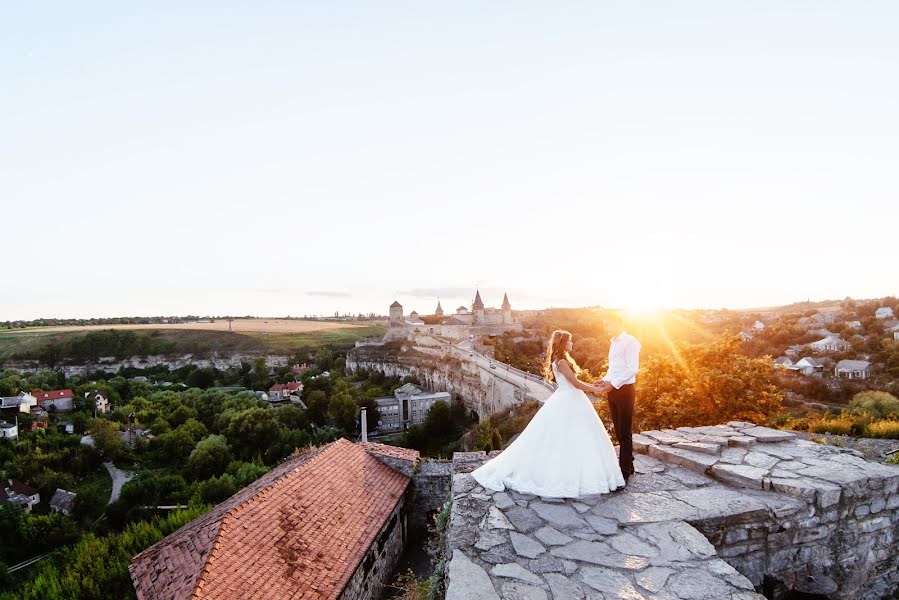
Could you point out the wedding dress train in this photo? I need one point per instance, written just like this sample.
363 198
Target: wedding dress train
564 452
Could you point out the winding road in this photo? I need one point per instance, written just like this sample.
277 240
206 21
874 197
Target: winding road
119 478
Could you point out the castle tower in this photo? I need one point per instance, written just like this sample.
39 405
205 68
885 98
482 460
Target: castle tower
396 312
439 311
507 310
477 308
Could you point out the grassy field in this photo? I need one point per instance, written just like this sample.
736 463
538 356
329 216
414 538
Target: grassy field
249 335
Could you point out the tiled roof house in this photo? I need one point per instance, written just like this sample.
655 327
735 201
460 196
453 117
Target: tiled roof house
329 524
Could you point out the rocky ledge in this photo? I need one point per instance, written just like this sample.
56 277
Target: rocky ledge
715 513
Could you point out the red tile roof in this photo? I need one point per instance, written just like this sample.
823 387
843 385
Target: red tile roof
54 395
277 387
299 532
392 451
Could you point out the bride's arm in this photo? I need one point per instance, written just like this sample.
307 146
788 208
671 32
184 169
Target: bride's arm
567 372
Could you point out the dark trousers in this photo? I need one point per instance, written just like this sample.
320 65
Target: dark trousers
621 405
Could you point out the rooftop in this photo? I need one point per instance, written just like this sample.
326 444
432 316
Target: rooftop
297 532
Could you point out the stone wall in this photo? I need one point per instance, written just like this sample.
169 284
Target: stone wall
430 485
712 513
377 567
483 391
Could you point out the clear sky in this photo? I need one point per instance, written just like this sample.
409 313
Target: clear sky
295 158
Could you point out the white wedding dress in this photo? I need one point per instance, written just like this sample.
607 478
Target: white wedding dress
564 452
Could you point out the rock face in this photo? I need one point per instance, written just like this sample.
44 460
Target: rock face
712 512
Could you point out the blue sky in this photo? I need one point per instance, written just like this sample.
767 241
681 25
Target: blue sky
297 158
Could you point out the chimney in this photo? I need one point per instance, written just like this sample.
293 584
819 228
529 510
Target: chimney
364 424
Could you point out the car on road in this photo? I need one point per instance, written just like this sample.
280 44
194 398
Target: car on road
492 365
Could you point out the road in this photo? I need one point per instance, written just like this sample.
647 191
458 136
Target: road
535 386
119 478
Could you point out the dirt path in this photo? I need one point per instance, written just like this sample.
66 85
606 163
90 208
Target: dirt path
119 478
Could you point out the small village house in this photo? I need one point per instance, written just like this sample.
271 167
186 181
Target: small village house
830 344
10 405
853 369
63 502
808 366
101 403
884 312
783 362
60 400
22 494
8 431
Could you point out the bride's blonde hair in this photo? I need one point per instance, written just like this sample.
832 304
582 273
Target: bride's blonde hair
556 350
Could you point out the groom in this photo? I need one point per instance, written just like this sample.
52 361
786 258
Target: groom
624 362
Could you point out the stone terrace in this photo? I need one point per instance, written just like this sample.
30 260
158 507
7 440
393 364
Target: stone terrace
712 513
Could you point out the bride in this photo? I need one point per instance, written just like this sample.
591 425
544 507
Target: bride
565 451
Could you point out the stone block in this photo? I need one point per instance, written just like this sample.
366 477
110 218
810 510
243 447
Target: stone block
564 588
699 447
741 440
524 519
599 553
561 516
642 442
735 456
525 546
512 590
742 475
644 508
551 537
761 460
696 461
467 580
515 571
653 579
765 434
666 436
611 583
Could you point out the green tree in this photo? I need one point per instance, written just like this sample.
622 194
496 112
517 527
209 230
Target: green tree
106 438
877 405
210 457
317 407
252 431
343 411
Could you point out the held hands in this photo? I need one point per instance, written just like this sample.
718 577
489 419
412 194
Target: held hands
601 387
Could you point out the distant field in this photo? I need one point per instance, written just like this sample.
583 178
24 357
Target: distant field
238 325
275 336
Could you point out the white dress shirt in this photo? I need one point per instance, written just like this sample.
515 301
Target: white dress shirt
624 360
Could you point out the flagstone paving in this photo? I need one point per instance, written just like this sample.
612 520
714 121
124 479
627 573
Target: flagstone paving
709 514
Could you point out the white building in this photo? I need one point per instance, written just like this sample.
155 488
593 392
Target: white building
23 402
100 401
884 312
853 369
783 362
408 406
808 366
16 492
830 344
61 400
8 431
758 326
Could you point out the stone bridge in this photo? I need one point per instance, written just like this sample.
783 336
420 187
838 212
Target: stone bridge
483 384
713 513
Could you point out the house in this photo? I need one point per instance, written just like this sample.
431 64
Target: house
65 427
794 350
408 406
63 502
884 312
895 331
808 366
783 362
830 344
325 525
281 392
8 431
61 400
17 492
100 401
853 369
745 336
21 403
758 326
854 325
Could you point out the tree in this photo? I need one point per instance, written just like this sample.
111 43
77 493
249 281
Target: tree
343 411
438 422
877 405
210 457
703 384
371 412
292 417
252 431
106 438
317 407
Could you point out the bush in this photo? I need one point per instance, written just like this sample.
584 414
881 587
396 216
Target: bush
878 405
842 425
886 428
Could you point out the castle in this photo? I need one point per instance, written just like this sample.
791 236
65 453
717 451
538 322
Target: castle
478 321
